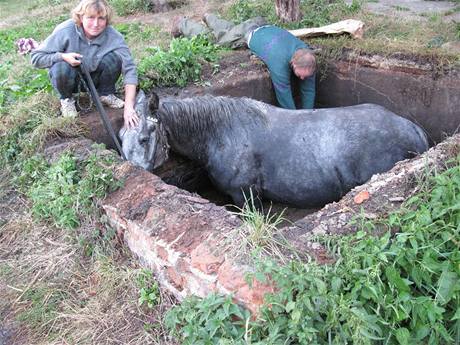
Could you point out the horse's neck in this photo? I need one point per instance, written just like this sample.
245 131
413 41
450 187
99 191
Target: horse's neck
197 126
192 147
190 139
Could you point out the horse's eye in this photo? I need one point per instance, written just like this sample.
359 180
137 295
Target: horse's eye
143 139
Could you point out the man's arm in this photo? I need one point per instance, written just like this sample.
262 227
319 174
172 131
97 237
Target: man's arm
308 92
282 85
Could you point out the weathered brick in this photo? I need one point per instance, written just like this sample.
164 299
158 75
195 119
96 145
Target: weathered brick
175 278
203 258
162 253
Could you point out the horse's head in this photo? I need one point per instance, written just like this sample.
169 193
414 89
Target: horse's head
145 145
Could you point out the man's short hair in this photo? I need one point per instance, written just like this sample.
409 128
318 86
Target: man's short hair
101 7
304 58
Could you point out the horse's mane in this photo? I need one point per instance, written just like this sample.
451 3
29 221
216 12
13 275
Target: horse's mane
211 114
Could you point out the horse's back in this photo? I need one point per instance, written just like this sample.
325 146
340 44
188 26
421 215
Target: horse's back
316 156
303 157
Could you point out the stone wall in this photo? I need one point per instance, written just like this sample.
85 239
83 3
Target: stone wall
180 236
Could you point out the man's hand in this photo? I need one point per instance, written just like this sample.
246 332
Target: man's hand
131 117
73 59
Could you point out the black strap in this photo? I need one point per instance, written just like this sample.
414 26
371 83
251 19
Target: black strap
100 108
82 85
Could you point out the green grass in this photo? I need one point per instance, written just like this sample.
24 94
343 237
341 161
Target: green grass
259 233
127 7
9 8
18 79
43 306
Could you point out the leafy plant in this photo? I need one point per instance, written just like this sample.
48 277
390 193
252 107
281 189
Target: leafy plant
136 31
65 190
315 12
208 321
25 83
179 65
242 10
149 292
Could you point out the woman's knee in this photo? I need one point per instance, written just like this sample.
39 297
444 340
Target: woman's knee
63 77
110 64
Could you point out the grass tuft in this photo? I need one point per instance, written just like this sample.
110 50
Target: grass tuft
259 234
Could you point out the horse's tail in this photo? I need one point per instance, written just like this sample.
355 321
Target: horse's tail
421 141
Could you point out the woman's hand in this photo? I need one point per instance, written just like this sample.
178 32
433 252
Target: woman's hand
131 117
72 58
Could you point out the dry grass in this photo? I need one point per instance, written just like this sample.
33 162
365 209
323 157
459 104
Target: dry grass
386 36
52 293
41 108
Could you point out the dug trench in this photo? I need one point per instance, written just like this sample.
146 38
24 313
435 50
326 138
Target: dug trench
177 226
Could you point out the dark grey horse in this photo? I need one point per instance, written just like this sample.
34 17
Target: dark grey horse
299 157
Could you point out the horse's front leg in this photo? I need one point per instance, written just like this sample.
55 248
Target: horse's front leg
236 172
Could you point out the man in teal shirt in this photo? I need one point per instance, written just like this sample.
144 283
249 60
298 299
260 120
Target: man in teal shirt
282 52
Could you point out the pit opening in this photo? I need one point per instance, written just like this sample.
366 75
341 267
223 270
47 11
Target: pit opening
184 238
408 89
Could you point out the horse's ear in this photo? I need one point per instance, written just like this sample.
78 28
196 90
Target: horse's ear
153 102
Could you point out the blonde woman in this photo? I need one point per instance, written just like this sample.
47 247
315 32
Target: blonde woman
88 36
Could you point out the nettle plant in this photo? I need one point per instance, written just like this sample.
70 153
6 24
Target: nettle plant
402 287
149 290
65 191
181 64
127 7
